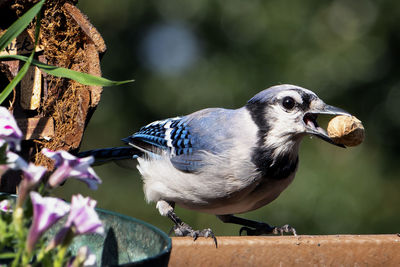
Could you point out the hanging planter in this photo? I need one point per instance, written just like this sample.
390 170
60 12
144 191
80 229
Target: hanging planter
51 111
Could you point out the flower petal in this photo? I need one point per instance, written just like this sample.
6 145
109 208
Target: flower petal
31 178
70 166
58 156
83 216
5 205
59 175
9 130
46 212
15 162
81 220
84 257
33 173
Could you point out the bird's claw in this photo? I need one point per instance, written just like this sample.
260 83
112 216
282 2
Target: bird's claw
184 229
265 229
284 229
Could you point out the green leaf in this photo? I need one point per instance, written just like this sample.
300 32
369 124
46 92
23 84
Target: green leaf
4 94
37 30
7 255
80 77
3 157
18 26
16 79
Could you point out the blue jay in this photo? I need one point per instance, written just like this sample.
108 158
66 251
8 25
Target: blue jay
225 161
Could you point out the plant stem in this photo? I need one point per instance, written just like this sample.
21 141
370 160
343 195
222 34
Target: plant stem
41 254
15 262
63 248
60 256
18 216
26 257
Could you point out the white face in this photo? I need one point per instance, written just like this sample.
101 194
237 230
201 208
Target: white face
286 120
287 113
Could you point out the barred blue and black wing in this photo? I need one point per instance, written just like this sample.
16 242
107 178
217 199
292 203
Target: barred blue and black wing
171 136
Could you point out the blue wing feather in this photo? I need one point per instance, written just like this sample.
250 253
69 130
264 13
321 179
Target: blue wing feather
185 138
170 135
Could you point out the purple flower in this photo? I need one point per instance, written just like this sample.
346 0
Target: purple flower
83 216
9 131
15 162
5 205
84 257
12 161
46 212
82 219
31 177
70 166
33 174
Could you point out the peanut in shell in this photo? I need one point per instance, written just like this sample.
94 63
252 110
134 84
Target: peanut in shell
346 130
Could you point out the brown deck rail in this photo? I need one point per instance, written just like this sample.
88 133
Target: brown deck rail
325 250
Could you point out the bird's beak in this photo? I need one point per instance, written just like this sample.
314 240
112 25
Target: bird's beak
310 120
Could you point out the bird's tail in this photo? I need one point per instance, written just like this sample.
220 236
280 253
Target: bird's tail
105 155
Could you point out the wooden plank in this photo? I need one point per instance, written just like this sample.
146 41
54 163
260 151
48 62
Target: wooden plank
31 88
13 67
21 45
36 127
325 250
93 66
86 27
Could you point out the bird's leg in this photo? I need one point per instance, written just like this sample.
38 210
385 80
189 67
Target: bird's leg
180 228
256 228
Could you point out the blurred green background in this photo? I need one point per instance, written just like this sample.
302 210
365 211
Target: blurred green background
189 55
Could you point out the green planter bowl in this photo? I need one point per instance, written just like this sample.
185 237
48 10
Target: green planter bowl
127 242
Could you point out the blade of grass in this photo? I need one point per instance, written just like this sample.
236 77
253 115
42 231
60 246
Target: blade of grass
37 30
5 93
16 79
80 77
18 26
7 255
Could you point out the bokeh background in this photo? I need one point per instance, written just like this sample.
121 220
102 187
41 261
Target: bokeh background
189 55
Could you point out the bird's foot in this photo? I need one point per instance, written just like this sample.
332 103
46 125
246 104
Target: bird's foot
284 229
265 229
183 229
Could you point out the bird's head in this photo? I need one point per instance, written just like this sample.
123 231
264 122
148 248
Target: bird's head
286 113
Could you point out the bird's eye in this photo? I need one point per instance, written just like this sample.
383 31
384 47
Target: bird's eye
288 102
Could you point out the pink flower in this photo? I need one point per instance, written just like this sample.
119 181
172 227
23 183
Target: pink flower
83 216
12 161
84 257
82 219
33 174
9 131
70 166
31 178
15 162
5 205
46 212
